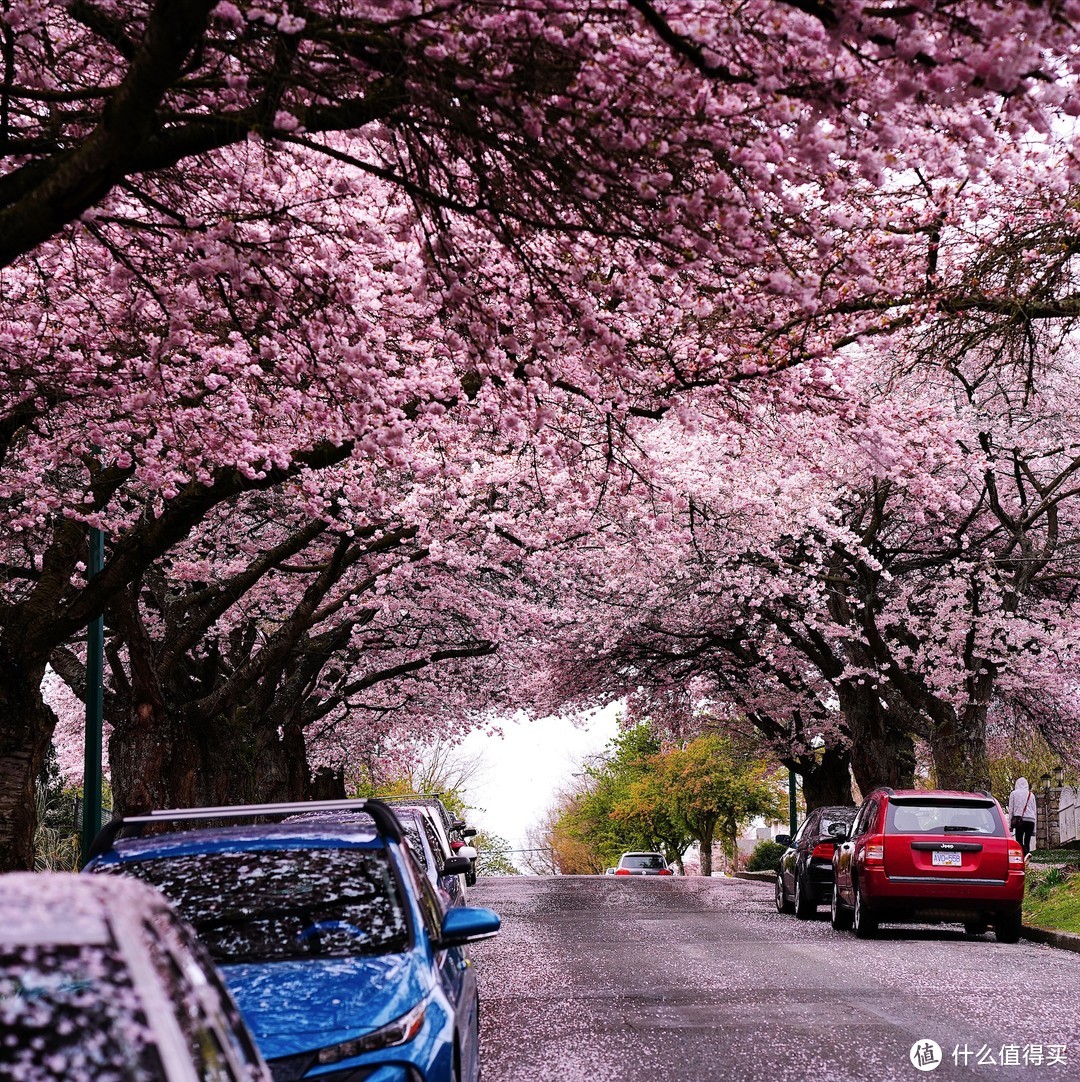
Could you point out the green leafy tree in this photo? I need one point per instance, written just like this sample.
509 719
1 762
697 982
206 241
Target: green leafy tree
647 808
716 787
613 809
493 855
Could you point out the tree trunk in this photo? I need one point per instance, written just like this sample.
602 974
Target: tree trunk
153 761
26 727
327 783
162 760
826 783
705 849
881 752
958 747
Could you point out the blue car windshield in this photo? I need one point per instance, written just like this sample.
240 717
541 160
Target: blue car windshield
271 905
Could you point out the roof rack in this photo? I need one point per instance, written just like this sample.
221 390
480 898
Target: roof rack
451 821
384 817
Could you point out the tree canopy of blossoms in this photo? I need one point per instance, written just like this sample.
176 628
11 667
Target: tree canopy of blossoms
243 247
892 564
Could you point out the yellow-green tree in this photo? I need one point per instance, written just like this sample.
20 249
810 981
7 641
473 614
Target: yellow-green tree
715 787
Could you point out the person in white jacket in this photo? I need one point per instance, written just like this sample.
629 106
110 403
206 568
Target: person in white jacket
1022 812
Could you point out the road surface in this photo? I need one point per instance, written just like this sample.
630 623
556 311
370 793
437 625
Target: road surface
596 977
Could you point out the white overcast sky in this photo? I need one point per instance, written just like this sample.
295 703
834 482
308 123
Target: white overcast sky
522 770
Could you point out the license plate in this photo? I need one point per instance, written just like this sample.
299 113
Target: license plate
948 860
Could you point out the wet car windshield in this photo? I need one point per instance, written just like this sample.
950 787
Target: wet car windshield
275 905
828 821
416 846
70 1012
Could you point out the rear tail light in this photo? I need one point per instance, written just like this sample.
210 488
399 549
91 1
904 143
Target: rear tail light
621 871
1016 855
874 851
664 871
823 850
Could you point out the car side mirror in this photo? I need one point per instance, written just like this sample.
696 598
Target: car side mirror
468 832
839 831
466 924
456 866
783 839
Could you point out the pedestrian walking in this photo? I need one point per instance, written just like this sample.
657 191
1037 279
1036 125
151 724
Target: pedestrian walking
1022 814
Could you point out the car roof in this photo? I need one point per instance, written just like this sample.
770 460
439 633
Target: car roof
425 801
314 831
937 794
70 910
319 823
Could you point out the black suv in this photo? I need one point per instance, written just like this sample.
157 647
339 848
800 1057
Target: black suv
804 877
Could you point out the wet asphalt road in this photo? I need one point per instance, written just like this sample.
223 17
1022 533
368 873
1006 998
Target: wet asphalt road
598 978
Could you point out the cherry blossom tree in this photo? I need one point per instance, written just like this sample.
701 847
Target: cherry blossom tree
243 247
887 570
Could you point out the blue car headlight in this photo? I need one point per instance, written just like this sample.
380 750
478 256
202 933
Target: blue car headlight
400 1031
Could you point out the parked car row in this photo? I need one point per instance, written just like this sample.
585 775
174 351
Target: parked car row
338 928
926 856
454 835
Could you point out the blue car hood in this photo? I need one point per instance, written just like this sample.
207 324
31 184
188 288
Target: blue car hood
294 1007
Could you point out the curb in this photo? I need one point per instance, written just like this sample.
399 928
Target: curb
758 877
1063 940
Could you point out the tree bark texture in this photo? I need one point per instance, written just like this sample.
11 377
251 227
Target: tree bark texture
882 753
958 747
164 760
826 783
26 727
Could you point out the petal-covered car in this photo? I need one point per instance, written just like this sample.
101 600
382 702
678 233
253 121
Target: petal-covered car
101 980
345 963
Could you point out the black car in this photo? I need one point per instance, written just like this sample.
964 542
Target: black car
804 878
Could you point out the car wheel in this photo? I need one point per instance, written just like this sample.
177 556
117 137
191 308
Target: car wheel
863 921
804 900
782 904
1008 928
839 913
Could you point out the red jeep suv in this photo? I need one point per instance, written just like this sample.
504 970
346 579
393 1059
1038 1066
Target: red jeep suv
929 856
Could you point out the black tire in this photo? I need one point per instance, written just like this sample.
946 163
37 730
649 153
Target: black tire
805 906
782 904
839 914
862 918
975 927
1007 929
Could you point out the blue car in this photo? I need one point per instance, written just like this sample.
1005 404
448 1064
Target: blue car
346 965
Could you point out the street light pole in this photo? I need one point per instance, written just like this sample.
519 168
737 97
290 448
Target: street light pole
95 658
